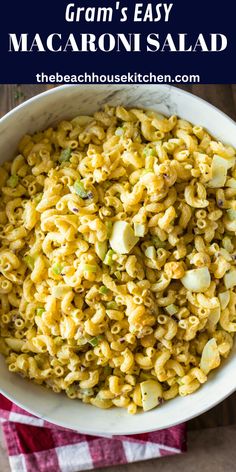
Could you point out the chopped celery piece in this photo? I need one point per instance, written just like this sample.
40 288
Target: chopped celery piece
107 184
107 370
231 214
101 249
90 268
57 268
13 181
70 390
171 309
180 382
139 230
29 262
94 341
148 152
119 132
108 258
158 243
80 190
112 305
118 274
65 155
103 290
87 392
40 311
38 198
58 341
109 228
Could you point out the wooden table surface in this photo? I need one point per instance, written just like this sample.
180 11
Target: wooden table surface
223 97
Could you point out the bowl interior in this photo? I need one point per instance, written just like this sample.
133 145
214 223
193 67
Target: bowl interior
67 102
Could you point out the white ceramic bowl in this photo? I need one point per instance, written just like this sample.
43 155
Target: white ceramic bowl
66 102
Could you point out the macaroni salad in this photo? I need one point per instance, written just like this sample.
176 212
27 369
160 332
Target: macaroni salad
118 257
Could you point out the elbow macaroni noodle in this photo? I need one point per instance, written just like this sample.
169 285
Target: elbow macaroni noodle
132 328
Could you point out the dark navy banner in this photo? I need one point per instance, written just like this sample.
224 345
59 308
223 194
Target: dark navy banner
126 41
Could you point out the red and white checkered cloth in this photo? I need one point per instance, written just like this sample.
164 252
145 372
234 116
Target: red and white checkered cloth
34 445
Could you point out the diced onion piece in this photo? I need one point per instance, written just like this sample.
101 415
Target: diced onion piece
225 253
87 392
101 249
210 356
231 183
231 162
230 279
119 132
219 171
213 318
139 230
197 280
224 299
82 341
122 238
227 162
151 392
150 252
219 177
171 309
